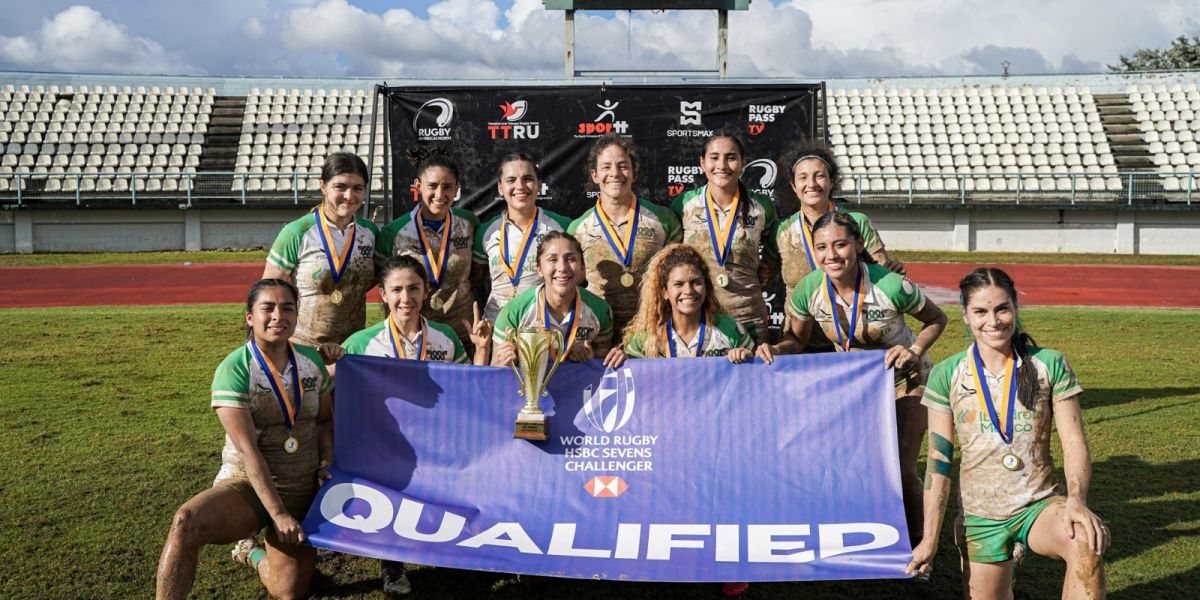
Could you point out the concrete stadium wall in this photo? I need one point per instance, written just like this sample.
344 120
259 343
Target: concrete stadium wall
957 228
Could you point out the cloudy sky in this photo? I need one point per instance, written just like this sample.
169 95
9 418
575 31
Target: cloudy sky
517 38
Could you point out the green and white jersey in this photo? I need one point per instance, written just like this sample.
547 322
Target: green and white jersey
454 297
720 336
298 251
487 251
886 298
594 318
795 252
986 488
241 383
657 227
441 343
743 298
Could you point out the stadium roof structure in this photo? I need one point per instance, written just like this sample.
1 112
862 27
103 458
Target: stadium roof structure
721 6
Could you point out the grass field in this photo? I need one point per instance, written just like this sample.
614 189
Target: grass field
107 431
258 256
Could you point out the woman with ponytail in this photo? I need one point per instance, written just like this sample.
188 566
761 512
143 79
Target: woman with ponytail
440 237
860 305
999 397
732 228
327 255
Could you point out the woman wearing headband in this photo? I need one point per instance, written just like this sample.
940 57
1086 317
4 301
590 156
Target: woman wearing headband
861 306
999 398
814 177
509 241
732 228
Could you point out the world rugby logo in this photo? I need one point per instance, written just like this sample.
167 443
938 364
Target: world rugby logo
770 171
611 406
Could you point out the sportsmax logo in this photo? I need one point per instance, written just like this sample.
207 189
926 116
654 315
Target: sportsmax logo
444 111
722 543
509 128
689 113
610 408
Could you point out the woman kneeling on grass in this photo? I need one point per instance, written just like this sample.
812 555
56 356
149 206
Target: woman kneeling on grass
1005 392
273 400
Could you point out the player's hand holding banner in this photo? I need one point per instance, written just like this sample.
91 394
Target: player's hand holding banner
664 470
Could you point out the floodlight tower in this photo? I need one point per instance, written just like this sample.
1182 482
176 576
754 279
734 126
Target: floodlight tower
721 6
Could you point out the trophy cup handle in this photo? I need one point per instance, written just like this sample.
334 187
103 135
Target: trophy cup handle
557 337
509 338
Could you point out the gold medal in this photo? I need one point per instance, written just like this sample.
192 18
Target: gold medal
436 303
336 297
291 444
627 279
1012 462
723 280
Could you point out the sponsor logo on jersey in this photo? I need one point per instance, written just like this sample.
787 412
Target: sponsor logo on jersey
606 486
433 119
606 122
510 126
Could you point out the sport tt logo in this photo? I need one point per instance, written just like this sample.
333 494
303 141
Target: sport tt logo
606 486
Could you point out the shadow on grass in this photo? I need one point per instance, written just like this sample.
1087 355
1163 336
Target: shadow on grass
1101 398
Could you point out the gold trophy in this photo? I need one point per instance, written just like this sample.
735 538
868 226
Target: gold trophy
534 347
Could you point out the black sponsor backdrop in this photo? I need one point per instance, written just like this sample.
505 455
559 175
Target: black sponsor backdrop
557 126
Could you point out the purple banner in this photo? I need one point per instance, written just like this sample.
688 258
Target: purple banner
665 470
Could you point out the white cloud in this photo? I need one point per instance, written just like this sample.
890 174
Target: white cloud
81 39
253 28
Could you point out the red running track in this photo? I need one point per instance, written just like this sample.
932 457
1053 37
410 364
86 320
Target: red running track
107 285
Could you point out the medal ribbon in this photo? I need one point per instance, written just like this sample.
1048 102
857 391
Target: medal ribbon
398 346
527 237
612 234
855 310
337 264
985 395
434 264
289 404
809 252
669 331
710 210
572 319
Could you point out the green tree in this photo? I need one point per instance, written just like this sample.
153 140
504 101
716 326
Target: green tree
1184 53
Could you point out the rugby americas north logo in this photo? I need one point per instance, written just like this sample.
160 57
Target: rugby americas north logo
510 128
441 111
770 172
599 126
606 486
611 406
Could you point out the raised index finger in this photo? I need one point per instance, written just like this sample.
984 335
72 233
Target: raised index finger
475 310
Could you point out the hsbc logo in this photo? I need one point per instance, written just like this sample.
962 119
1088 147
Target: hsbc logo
606 486
689 113
510 127
609 409
606 122
441 111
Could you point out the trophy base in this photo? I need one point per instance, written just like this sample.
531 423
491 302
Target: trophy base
530 427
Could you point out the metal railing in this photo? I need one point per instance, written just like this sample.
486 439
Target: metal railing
187 189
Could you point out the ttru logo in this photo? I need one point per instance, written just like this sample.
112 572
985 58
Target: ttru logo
511 127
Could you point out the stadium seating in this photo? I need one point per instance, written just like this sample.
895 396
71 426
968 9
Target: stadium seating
1007 139
103 135
1168 120
290 131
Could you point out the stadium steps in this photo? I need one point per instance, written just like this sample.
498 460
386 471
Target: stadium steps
220 150
1124 137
